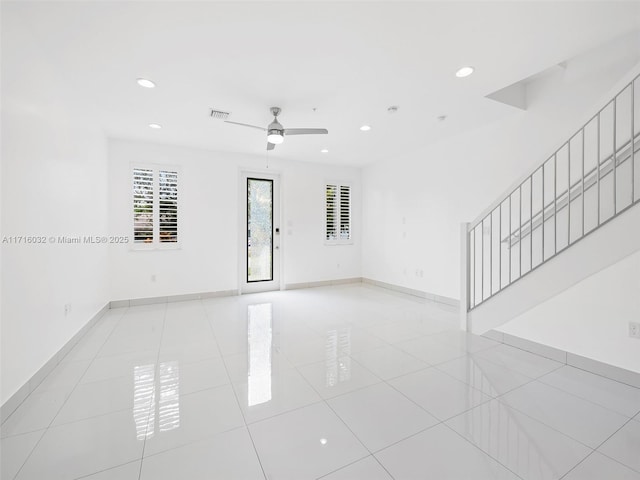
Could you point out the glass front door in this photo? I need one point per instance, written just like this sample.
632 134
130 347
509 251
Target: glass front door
259 230
261 245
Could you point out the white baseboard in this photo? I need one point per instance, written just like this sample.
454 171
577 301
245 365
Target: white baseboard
389 286
454 302
23 392
583 363
322 283
136 302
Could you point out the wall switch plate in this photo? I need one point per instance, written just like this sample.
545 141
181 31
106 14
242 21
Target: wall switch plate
634 329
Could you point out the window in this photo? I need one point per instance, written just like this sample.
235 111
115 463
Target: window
338 213
155 206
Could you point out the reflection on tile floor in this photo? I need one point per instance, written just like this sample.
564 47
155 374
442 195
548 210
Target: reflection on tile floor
350 382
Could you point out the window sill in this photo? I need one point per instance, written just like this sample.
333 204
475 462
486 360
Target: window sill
338 243
154 247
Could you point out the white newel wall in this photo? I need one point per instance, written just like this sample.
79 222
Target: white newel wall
207 260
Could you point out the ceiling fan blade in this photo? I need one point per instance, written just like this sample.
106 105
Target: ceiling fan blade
305 131
270 146
246 125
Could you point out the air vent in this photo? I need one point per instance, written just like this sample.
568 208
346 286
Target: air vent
219 114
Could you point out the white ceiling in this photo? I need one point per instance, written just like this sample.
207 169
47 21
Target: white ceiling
350 61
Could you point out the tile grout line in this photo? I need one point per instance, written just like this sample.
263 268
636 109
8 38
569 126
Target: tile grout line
152 405
105 470
324 475
478 448
193 442
497 398
326 402
601 453
444 422
541 422
530 353
502 402
233 391
67 396
439 422
113 411
428 366
383 381
609 437
583 398
371 454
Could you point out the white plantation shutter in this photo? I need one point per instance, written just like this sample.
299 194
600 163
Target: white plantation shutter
142 205
155 206
345 212
332 200
168 206
338 213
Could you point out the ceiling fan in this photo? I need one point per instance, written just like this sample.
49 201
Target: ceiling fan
276 132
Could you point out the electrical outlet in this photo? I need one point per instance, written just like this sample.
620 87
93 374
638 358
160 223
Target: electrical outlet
67 308
634 329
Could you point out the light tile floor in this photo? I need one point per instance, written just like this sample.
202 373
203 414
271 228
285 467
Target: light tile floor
350 382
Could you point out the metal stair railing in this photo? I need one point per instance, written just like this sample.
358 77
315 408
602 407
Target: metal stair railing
592 178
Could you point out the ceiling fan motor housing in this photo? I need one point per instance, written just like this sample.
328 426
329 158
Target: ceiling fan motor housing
275 132
275 128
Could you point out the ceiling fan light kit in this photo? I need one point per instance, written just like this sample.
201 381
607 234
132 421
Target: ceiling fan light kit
275 136
276 132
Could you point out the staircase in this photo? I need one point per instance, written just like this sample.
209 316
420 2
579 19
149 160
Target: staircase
593 178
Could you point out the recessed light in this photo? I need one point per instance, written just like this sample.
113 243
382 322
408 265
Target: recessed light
324 150
143 82
365 128
464 72
155 125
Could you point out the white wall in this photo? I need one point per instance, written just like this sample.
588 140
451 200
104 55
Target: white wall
413 204
591 318
207 260
54 182
54 176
